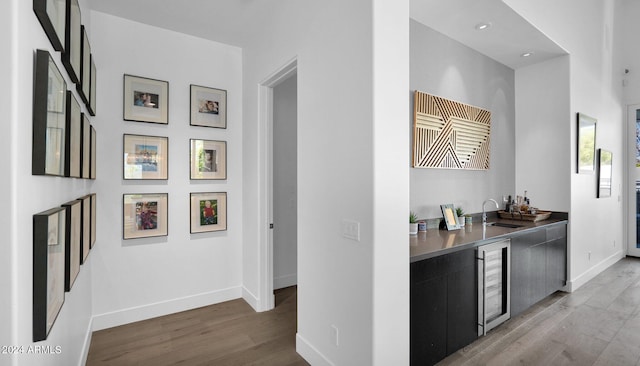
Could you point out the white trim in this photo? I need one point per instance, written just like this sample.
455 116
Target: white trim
86 345
285 281
592 272
310 353
137 313
250 298
266 299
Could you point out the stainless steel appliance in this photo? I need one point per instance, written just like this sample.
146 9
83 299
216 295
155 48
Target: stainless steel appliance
494 272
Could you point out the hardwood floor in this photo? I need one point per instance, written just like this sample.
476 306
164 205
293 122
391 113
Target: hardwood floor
229 333
599 324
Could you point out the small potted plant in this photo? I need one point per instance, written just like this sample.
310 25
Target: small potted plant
413 223
460 214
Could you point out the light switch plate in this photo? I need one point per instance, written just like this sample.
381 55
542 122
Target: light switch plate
351 230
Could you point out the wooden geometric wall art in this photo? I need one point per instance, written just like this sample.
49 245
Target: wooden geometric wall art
449 134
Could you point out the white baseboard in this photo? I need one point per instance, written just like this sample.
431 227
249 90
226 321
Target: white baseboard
134 314
250 298
285 281
592 272
87 344
310 353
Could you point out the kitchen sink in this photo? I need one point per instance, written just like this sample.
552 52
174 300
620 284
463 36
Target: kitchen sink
503 224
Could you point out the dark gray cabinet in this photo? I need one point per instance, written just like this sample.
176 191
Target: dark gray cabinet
443 306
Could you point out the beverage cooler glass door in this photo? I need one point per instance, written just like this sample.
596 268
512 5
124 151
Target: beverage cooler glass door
494 270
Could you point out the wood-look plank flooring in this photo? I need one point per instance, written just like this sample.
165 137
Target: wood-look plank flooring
598 324
229 333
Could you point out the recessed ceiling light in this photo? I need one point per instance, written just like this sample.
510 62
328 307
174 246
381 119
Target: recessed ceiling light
483 26
526 54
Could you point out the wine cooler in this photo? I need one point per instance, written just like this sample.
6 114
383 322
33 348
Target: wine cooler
493 285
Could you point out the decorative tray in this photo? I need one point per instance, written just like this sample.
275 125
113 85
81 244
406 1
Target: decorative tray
539 216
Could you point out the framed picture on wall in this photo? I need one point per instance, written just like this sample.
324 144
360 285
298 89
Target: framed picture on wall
92 88
49 117
73 136
73 236
86 147
605 169
92 152
145 157
586 146
208 212
84 87
144 215
208 107
146 100
72 56
52 16
208 159
48 269
86 227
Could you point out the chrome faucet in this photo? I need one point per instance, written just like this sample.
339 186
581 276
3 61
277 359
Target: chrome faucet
484 213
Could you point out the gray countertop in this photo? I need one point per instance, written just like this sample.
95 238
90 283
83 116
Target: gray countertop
435 242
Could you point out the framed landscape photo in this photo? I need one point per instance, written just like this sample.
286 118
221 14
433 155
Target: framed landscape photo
208 107
605 167
52 16
586 144
146 100
208 159
73 236
144 215
86 147
208 212
48 269
49 117
145 157
86 228
72 56
84 87
73 136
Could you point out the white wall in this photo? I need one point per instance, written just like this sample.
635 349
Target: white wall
586 29
26 195
285 184
629 28
143 278
444 67
336 276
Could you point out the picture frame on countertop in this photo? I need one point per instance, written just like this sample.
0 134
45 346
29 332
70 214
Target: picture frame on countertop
49 117
84 87
73 136
73 236
93 77
208 212
86 147
145 100
92 161
605 170
86 227
586 144
94 209
208 107
144 215
450 218
208 159
145 157
48 269
72 56
52 16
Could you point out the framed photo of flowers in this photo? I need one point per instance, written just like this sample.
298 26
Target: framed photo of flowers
145 215
208 212
208 107
208 159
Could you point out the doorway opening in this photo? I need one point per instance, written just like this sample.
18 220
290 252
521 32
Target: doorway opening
633 169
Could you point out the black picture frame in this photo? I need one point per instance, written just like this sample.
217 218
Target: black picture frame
208 212
73 136
48 269
208 107
145 215
49 117
86 228
53 20
84 87
93 198
145 100
92 161
605 170
93 87
86 147
145 157
72 56
208 159
586 144
73 236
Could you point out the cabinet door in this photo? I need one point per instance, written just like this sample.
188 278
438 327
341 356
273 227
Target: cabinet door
556 265
428 314
462 307
528 266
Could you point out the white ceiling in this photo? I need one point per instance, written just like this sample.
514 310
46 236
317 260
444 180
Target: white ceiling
233 22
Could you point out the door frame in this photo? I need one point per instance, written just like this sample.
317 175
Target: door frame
630 164
266 299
